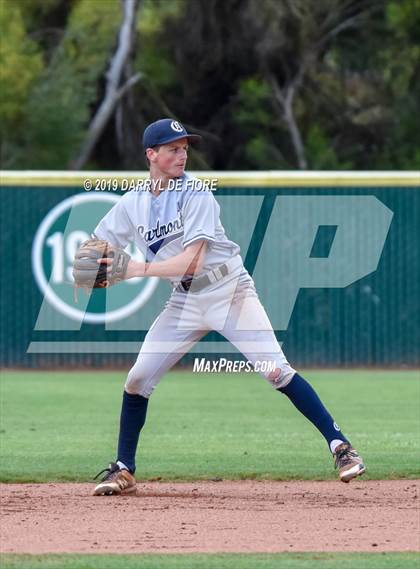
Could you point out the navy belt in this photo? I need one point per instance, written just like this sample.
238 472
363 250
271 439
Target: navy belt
197 284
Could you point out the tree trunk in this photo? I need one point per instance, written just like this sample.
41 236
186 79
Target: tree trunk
113 90
295 135
285 103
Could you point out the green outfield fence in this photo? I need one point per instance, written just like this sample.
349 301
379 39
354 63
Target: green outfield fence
334 255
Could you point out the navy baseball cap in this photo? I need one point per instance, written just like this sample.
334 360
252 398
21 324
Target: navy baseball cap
164 131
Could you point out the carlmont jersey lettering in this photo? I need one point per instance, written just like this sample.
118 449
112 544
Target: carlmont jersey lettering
162 226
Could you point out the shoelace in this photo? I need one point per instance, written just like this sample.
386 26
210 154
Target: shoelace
110 470
345 456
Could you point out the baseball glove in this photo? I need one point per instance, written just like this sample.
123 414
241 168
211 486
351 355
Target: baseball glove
88 273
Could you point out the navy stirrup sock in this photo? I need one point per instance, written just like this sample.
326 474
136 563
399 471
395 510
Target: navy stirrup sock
133 416
305 399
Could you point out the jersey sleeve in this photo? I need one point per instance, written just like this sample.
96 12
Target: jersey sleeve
116 227
200 218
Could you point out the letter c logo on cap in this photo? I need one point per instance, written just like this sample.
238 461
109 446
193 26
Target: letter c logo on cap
176 126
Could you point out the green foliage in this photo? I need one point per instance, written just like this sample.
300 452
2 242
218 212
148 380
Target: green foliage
154 15
400 61
153 57
64 426
320 150
209 64
260 153
90 36
34 11
254 104
252 113
57 116
20 65
404 16
58 111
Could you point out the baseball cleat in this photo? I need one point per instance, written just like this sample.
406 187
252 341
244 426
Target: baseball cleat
349 463
115 481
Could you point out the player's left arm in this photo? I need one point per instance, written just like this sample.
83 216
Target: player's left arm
189 262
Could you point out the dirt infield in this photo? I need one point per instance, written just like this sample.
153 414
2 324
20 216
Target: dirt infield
247 516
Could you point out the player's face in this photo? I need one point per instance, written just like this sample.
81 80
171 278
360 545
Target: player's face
170 159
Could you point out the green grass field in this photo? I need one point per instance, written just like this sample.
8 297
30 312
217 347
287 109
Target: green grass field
227 561
64 426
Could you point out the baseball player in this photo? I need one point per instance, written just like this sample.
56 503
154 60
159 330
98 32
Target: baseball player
176 225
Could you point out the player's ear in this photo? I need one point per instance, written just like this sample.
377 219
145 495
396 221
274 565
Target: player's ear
150 154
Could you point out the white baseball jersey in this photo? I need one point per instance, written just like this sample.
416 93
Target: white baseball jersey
162 226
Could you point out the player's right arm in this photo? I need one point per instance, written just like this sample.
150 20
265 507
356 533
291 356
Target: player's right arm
200 214
189 262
